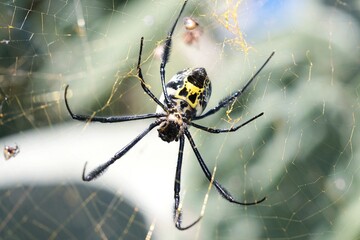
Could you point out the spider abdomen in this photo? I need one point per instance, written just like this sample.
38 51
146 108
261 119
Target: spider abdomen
189 90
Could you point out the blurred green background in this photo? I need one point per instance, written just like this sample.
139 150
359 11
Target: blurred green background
303 154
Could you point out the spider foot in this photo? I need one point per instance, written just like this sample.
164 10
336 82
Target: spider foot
93 174
226 194
85 177
66 102
178 219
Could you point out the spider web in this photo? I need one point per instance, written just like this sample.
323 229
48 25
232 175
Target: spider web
302 154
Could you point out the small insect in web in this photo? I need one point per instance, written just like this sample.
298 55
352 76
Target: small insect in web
193 31
183 101
11 151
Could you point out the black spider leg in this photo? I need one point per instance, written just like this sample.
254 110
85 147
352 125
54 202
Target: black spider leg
101 169
232 129
177 211
165 57
109 119
223 192
143 85
226 101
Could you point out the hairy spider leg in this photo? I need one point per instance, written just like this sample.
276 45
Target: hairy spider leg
223 192
109 119
165 57
232 129
177 211
226 101
101 169
143 85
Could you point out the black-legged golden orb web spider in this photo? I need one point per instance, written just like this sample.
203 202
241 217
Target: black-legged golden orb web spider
183 100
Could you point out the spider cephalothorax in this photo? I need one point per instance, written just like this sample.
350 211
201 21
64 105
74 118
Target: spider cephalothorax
171 127
183 102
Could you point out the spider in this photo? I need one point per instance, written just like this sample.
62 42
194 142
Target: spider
183 101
